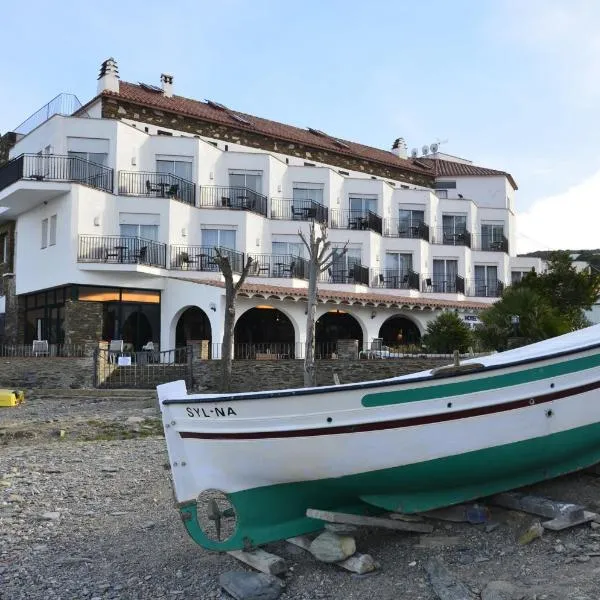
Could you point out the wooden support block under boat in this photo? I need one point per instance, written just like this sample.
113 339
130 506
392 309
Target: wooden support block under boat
537 505
335 517
261 560
569 520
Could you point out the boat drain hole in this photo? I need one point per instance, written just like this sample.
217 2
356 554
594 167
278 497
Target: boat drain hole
216 515
449 404
329 419
549 413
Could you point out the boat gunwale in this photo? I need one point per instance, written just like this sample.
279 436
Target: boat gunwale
378 383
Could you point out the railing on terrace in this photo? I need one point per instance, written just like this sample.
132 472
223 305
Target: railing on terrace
396 280
298 210
449 237
278 265
117 249
157 185
52 167
63 104
483 289
353 273
54 350
489 243
238 198
400 229
442 285
202 258
356 219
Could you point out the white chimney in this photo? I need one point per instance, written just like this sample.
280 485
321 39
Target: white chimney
167 84
400 149
108 80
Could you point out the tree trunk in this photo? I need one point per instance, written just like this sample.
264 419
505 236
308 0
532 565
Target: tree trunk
310 373
227 348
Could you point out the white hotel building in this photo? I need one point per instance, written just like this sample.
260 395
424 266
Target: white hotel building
112 212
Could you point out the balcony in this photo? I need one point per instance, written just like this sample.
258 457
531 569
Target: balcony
400 229
396 280
279 266
121 250
353 273
54 168
483 289
288 209
202 258
489 243
356 219
442 285
156 185
451 237
236 198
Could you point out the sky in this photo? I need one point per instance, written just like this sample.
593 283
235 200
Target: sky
510 84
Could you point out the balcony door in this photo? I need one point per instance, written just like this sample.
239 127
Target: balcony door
145 232
362 204
492 235
246 179
222 238
179 168
410 222
444 275
454 225
304 193
486 280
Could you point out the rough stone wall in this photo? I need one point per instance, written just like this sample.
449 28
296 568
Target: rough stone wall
49 373
14 320
83 322
7 141
8 229
252 376
115 108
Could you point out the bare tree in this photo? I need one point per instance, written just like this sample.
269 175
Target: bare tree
232 288
320 258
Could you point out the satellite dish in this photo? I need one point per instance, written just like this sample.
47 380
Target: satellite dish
434 148
414 153
425 150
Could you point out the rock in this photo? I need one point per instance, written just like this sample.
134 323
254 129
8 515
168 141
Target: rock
500 590
432 541
491 527
595 525
250 586
359 563
135 420
330 547
534 532
559 548
50 516
583 558
341 528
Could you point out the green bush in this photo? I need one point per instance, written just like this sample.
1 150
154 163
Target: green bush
446 334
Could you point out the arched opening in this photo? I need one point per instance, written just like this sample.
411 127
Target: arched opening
399 331
137 330
193 327
333 326
264 332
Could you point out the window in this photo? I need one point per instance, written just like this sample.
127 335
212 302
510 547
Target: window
52 236
492 236
179 168
224 238
87 166
486 280
410 222
45 233
4 248
454 228
248 179
363 203
308 192
444 185
445 273
443 194
295 248
398 264
146 232
344 263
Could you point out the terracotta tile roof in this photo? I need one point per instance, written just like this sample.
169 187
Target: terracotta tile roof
449 168
224 116
344 297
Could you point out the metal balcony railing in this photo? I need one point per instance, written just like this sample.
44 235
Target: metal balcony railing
400 229
396 280
353 273
298 210
202 258
489 243
237 198
63 104
161 185
117 249
483 289
451 237
356 219
52 167
279 266
442 285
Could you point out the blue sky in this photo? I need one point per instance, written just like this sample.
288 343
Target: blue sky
511 84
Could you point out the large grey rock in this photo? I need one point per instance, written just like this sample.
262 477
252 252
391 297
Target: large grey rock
250 586
330 547
500 590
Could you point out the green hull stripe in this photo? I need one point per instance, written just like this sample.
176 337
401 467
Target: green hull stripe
480 384
276 512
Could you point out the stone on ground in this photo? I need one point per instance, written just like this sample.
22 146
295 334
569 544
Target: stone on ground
330 547
500 590
341 528
534 532
243 585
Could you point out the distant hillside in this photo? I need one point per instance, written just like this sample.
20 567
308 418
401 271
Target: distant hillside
590 256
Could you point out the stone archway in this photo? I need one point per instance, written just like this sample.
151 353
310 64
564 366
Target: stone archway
193 328
262 332
333 326
398 330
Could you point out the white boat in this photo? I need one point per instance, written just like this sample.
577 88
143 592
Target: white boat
247 466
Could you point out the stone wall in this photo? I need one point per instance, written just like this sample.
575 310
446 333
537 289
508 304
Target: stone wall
44 372
115 108
252 376
83 322
14 319
7 141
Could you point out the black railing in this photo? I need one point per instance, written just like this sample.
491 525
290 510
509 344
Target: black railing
356 219
401 229
489 243
278 265
161 185
353 273
442 285
484 289
202 258
116 249
451 237
238 198
298 210
396 280
51 167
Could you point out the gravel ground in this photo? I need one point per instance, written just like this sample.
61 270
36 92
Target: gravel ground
85 516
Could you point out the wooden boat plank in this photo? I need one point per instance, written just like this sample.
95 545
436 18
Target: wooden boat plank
537 505
567 521
335 517
261 560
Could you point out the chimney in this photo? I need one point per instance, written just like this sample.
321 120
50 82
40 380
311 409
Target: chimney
108 80
400 149
167 85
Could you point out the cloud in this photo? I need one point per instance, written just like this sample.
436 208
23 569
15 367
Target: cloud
568 220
